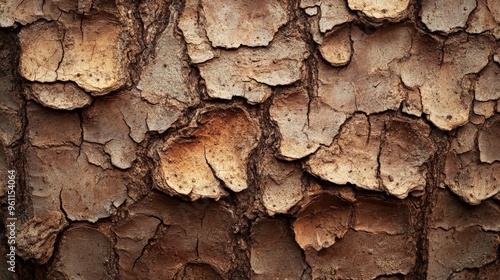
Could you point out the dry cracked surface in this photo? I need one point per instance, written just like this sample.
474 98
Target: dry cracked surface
194 139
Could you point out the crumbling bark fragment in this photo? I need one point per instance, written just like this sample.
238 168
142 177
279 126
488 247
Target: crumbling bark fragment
162 92
403 154
90 42
249 72
104 123
153 16
465 140
13 11
166 76
41 63
333 12
322 222
70 48
367 84
63 96
481 20
470 179
387 9
243 22
485 109
209 159
489 141
336 47
281 185
446 16
352 157
304 123
192 25
447 97
370 154
10 127
494 9
488 83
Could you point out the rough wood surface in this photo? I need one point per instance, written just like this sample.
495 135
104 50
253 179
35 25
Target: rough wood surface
269 139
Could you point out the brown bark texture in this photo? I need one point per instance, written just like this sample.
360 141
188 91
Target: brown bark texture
250 139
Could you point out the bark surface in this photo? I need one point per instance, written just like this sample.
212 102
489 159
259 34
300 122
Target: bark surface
270 139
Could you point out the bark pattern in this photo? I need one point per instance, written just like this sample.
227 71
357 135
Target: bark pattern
269 139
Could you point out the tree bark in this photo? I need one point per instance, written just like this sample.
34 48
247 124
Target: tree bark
277 139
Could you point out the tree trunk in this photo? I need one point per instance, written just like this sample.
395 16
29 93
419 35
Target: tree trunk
277 139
